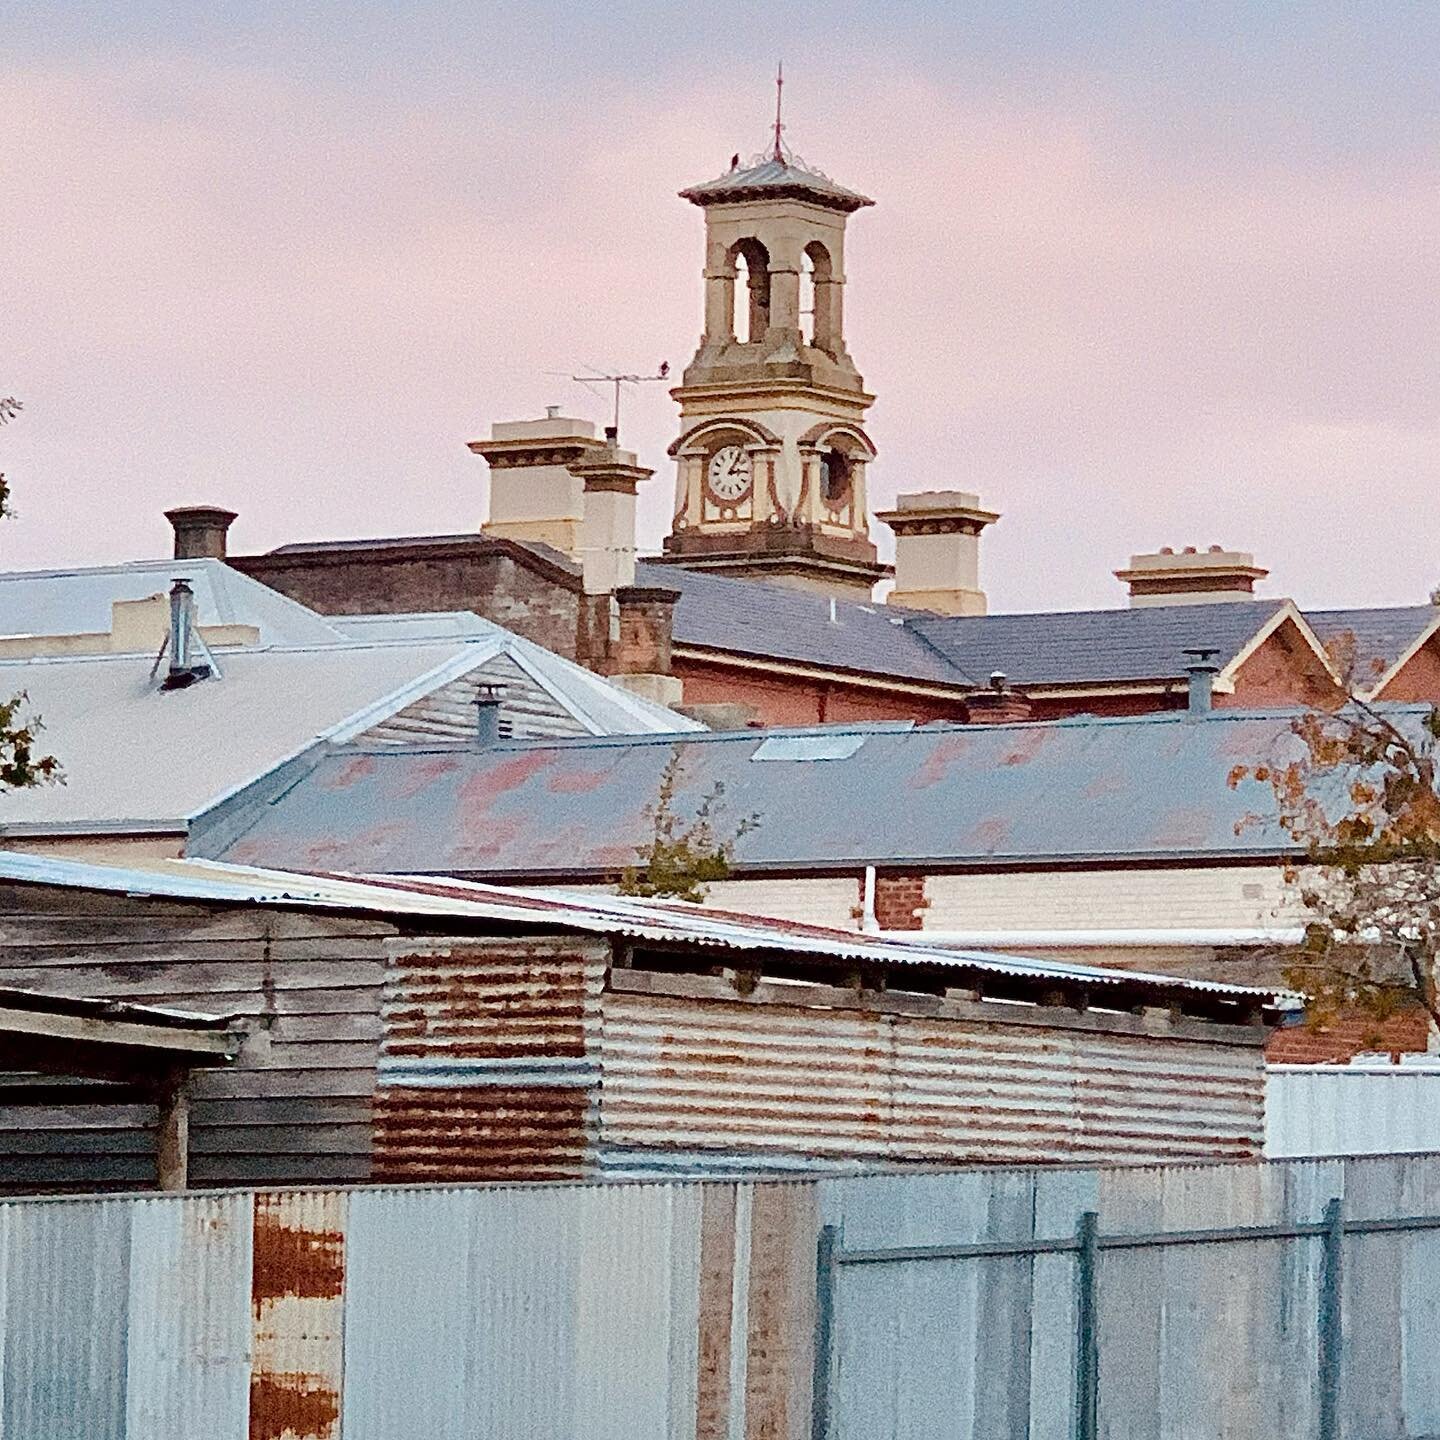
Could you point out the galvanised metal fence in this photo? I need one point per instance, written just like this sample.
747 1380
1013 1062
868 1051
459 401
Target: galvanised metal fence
1085 1246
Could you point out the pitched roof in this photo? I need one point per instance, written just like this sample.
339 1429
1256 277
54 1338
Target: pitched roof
78 601
449 902
136 757
717 612
765 175
1093 646
1382 636
1068 791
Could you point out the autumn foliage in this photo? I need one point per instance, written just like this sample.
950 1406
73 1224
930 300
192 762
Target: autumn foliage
1355 791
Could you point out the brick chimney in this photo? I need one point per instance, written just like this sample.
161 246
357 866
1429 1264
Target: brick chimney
534 492
200 531
998 705
937 551
640 656
1191 576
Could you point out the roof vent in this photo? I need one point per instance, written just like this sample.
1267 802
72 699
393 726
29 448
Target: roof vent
1202 671
488 698
190 660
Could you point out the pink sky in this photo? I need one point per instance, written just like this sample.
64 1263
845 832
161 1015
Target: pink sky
228 282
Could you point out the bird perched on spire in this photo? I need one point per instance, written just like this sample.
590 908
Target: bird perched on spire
735 161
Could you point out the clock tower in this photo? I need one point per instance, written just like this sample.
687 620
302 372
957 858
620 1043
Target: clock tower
772 452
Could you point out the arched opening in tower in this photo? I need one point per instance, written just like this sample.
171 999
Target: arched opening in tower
752 290
816 318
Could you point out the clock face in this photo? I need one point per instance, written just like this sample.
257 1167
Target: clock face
729 473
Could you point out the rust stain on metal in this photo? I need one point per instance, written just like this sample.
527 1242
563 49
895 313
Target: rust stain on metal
717 1267
1026 745
496 780
296 1289
489 1132
291 1262
424 773
579 782
352 773
292 1407
990 834
781 1320
937 762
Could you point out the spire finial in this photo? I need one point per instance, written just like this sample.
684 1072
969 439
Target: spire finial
779 128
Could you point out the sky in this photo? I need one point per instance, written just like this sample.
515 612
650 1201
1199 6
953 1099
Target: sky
1150 274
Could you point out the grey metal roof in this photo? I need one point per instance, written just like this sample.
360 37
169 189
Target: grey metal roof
717 612
139 758
1093 646
654 922
78 601
767 175
1078 790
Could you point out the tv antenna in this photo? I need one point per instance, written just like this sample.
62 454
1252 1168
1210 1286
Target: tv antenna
616 382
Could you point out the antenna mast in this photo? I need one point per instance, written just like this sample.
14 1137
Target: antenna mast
779 128
617 381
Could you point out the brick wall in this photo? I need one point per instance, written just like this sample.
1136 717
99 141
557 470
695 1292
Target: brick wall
468 575
899 901
1350 1035
800 700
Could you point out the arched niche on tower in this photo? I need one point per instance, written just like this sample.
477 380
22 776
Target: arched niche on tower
827 321
699 498
834 457
749 258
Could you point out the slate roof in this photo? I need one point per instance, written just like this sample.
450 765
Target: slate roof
717 612
766 175
1140 788
1381 636
1092 646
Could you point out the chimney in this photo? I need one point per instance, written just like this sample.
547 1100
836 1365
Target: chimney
488 699
609 482
999 705
184 640
1202 671
1191 576
937 551
200 531
534 493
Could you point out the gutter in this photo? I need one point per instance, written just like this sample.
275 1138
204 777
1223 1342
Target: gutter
1023 940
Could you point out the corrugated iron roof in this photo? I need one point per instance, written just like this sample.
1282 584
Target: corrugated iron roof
1082 789
455 901
139 758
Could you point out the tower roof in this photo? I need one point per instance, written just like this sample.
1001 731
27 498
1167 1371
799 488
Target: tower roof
767 177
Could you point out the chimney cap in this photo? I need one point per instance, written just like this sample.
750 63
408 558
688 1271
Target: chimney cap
200 531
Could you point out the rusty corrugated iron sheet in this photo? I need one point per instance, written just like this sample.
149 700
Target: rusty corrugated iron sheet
297 1303
487 1063
695 1078
1143 788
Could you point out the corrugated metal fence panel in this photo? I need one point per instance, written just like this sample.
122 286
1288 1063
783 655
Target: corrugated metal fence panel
847 1085
188 1354
685 1310
564 1314
1351 1110
485 1067
67 1318
296 1298
982 1348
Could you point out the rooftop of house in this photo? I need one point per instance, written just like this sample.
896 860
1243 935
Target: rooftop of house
139 758
1035 650
1085 790
460 906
